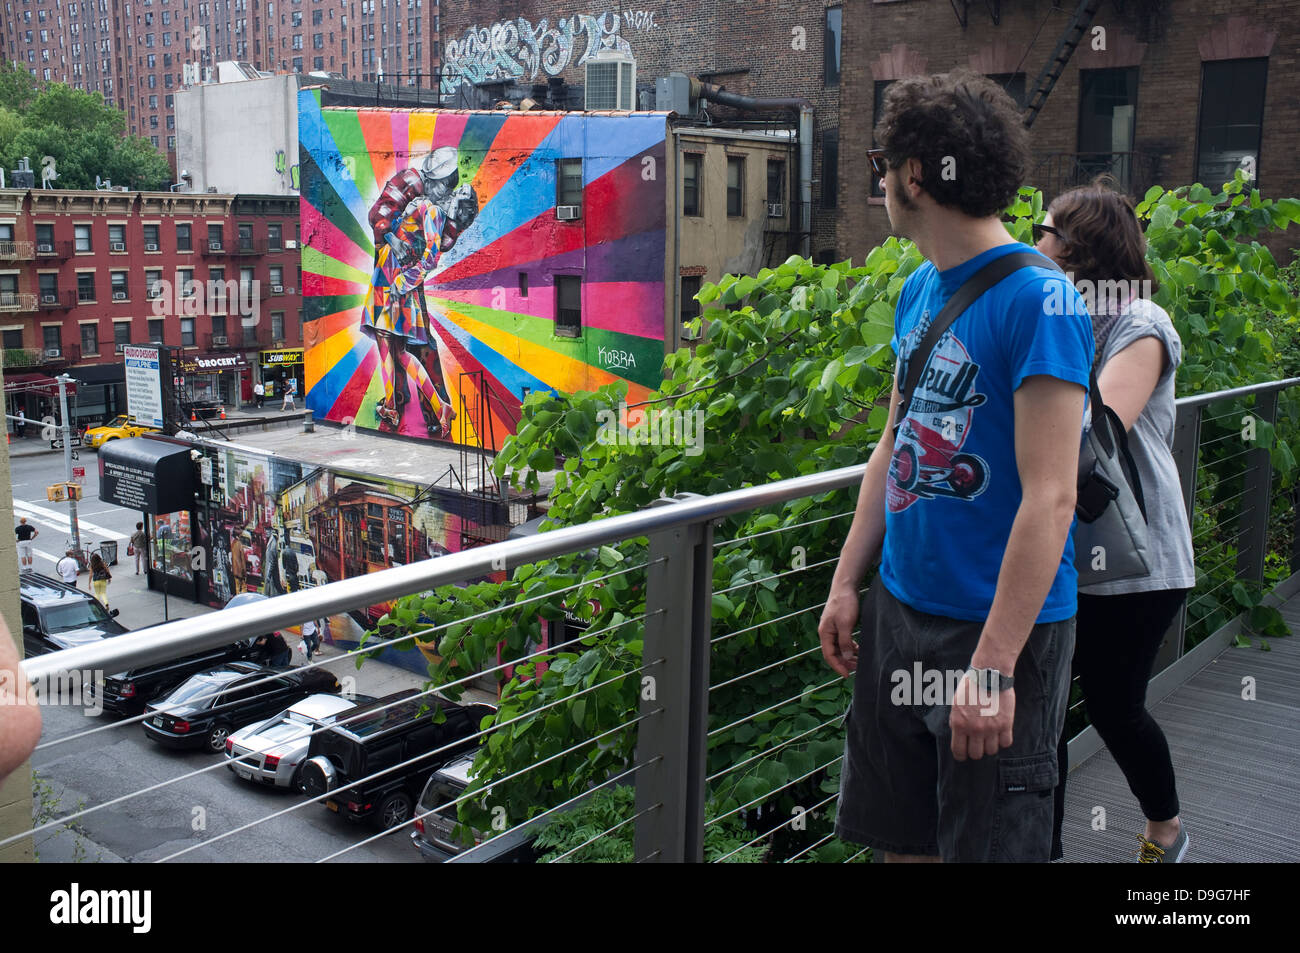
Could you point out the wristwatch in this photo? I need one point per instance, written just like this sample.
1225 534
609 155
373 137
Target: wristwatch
990 680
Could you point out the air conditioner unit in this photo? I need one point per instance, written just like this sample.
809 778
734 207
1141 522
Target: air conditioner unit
775 210
690 333
119 295
53 352
218 340
290 244
611 81
117 246
120 346
568 213
214 246
45 247
277 289
152 246
49 299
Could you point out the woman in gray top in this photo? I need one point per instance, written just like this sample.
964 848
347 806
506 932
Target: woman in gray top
1093 234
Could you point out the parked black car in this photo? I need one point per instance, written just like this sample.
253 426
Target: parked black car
59 616
394 730
209 705
127 693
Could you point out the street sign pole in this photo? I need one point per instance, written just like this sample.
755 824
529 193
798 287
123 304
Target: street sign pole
67 460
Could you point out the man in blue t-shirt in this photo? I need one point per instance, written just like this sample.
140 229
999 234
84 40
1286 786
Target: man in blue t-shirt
967 632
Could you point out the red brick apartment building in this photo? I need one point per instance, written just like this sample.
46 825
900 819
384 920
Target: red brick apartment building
84 273
1169 91
139 53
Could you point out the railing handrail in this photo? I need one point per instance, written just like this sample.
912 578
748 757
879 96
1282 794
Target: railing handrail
1201 400
185 636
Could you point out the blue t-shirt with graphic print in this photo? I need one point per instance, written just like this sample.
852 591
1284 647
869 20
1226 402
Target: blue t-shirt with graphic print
953 486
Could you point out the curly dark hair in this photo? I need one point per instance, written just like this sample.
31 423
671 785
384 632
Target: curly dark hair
964 116
1103 240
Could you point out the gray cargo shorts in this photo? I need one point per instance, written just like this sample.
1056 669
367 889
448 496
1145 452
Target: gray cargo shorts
901 790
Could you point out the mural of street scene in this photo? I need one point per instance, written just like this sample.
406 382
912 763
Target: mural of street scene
454 262
275 526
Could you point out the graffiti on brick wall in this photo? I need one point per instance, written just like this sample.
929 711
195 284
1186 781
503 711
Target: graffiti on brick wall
517 49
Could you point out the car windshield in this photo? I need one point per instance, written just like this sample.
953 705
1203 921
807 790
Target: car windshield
75 615
119 422
201 688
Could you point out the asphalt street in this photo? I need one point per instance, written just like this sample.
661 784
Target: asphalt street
88 760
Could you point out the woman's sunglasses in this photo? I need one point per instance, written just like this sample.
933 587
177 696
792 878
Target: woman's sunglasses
1050 230
879 167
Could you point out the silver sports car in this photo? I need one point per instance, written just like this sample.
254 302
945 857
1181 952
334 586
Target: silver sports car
270 751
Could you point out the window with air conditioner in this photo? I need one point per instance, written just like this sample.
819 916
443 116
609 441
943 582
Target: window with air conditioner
118 284
45 238
121 334
151 238
568 198
49 288
775 189
214 238
52 339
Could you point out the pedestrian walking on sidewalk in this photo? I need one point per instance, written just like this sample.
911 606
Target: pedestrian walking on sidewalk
25 533
140 547
260 393
20 425
68 568
100 577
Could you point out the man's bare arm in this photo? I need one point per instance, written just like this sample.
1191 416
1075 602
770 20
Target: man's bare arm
860 551
20 719
1048 416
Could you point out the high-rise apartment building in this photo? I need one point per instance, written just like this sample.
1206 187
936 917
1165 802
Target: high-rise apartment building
138 53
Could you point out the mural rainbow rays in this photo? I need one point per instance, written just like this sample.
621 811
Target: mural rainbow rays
450 353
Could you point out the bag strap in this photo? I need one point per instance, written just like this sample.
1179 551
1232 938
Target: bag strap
961 299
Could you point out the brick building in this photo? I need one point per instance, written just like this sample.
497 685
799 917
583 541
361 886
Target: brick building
139 54
1181 92
84 273
765 50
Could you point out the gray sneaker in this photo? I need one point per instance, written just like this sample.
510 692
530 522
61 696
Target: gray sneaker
1153 853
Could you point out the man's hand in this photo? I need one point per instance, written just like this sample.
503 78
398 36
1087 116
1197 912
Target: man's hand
981 724
836 630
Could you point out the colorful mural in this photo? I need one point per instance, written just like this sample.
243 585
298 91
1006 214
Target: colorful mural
431 249
274 526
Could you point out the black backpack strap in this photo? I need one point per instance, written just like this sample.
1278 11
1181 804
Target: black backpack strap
962 298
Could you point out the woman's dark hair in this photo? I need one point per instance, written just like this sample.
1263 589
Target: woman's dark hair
1102 238
97 562
967 133
139 525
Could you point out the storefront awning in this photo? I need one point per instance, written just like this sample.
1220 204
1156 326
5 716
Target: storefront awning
36 384
212 363
282 356
146 474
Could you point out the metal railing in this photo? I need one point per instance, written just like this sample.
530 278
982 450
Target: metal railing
679 767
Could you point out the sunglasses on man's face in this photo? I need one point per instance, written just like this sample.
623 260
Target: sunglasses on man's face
1039 230
879 167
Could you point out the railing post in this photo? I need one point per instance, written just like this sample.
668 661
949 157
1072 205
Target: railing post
1187 446
672 739
1252 536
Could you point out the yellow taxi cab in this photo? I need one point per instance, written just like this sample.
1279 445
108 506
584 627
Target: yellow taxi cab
119 427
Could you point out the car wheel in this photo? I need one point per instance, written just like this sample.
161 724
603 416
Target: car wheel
905 469
296 782
394 810
968 474
217 738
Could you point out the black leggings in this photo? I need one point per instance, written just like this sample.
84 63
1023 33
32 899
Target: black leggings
1116 640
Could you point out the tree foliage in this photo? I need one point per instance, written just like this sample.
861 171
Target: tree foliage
792 377
85 135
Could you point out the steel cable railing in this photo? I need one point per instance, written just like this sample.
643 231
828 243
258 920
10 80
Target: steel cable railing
720 544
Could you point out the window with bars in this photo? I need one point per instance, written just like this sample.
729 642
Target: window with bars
568 306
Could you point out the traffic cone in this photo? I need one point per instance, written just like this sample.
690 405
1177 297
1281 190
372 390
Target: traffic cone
193 416
223 413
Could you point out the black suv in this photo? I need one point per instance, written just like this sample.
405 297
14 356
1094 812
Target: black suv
208 706
394 730
127 693
59 616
